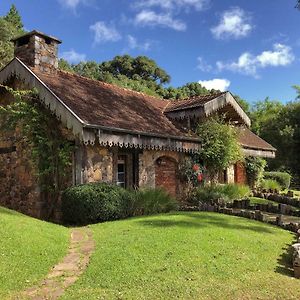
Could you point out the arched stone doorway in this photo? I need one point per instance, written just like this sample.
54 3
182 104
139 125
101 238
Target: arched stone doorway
166 174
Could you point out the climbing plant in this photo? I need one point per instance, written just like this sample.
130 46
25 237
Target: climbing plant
255 167
220 146
50 150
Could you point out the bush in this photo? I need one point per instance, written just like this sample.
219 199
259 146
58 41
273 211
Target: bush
152 201
254 168
269 184
283 178
214 193
95 202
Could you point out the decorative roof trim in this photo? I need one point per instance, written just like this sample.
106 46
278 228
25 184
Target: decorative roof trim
85 131
141 142
63 112
259 153
218 103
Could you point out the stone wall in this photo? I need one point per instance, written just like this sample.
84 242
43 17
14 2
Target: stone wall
148 169
97 164
230 174
18 184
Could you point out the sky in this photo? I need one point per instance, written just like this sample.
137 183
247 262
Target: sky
251 48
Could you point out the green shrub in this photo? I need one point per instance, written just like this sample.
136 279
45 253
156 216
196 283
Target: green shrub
269 184
236 191
283 178
225 192
95 202
254 168
152 201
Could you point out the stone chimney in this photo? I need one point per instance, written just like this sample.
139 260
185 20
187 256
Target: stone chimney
37 50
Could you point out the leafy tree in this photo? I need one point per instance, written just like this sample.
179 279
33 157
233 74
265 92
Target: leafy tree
134 68
243 103
10 27
263 113
65 66
220 146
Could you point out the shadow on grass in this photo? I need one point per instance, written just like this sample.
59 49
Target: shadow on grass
285 266
200 221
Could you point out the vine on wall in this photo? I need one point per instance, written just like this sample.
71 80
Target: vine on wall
50 151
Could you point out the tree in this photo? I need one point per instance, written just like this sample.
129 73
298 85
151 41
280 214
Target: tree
220 146
10 27
134 68
13 17
262 113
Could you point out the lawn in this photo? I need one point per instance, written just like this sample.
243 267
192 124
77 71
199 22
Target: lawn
28 250
188 256
256 200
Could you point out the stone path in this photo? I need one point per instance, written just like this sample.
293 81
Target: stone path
67 271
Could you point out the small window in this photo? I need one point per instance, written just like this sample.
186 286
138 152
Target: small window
48 41
121 172
23 41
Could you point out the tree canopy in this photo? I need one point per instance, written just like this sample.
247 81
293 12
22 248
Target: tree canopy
10 26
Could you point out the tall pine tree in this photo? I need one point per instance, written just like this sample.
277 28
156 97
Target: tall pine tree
10 26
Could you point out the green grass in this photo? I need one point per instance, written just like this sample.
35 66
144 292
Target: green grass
188 256
256 200
28 250
296 193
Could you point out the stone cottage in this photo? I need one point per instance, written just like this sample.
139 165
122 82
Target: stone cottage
122 137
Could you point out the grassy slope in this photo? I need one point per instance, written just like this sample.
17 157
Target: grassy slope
28 249
187 256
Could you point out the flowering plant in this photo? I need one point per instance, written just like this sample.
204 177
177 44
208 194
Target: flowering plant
192 171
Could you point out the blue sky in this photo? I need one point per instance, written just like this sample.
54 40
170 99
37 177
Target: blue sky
248 47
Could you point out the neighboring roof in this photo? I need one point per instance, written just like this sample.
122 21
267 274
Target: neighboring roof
102 104
192 102
248 139
39 33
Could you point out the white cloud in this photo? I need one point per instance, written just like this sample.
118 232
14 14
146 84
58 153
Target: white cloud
234 23
203 65
281 56
72 4
249 64
73 57
173 4
104 33
216 84
151 18
135 45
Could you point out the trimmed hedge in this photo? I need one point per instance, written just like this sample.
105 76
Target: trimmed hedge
100 202
95 202
223 192
283 178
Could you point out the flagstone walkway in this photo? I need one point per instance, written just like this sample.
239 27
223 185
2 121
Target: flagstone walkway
65 273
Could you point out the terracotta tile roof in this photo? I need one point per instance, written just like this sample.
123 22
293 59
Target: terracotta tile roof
192 102
102 104
248 139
